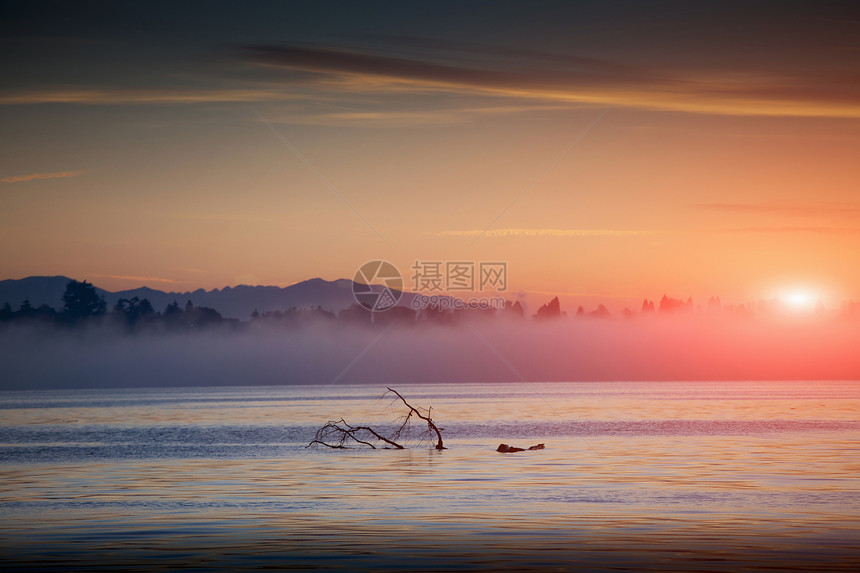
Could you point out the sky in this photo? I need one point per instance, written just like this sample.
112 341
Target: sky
606 151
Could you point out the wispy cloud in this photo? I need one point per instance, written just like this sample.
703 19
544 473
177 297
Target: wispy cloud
576 80
782 208
545 233
240 217
413 118
135 278
311 72
362 66
53 175
781 230
141 96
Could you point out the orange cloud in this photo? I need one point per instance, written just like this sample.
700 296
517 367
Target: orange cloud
55 175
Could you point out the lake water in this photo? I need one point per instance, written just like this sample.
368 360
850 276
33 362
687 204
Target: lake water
665 476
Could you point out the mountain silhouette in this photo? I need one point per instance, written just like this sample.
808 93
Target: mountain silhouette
38 290
232 302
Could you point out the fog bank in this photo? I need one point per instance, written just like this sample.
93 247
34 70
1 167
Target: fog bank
679 348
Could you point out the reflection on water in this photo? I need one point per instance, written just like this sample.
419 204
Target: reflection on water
704 476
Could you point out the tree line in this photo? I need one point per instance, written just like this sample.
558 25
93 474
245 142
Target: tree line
83 305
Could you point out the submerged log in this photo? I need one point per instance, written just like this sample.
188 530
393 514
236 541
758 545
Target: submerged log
506 449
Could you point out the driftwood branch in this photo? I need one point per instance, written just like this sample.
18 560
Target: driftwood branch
339 434
413 410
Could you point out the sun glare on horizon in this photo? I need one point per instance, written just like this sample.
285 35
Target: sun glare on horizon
799 300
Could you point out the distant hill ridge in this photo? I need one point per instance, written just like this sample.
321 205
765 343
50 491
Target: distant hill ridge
232 302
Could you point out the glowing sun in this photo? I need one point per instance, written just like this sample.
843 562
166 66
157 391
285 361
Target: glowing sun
799 299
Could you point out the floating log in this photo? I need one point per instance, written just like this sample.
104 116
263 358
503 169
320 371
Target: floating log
506 449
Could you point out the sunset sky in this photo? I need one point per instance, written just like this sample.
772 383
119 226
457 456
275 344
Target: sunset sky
604 150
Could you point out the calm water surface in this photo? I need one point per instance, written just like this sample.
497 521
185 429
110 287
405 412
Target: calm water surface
665 476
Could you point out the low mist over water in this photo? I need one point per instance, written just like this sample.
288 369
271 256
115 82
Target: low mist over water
656 348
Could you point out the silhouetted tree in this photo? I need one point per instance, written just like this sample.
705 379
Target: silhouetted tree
28 313
146 307
133 310
45 313
200 316
514 309
668 304
714 304
552 309
81 301
600 312
26 309
172 309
